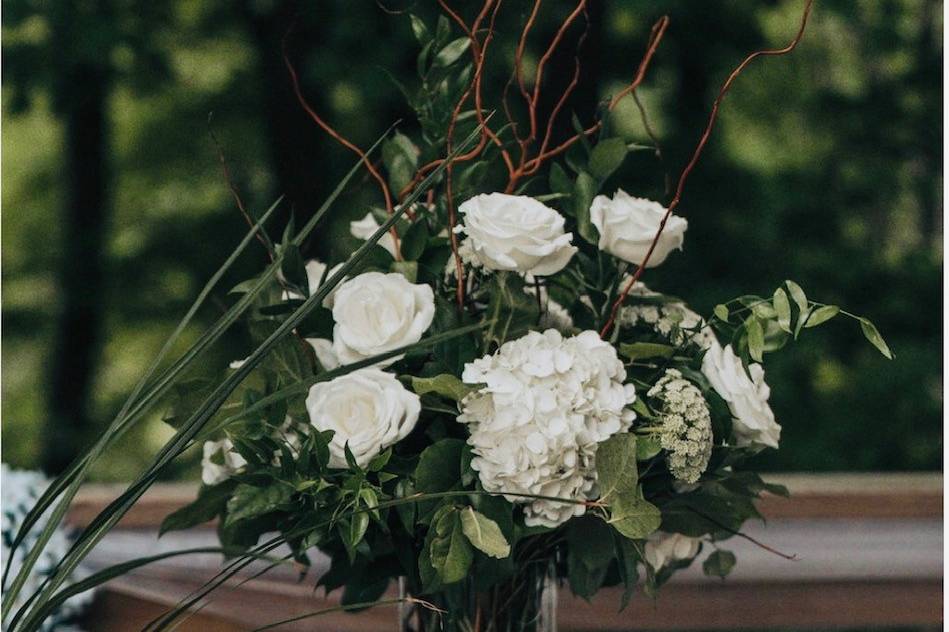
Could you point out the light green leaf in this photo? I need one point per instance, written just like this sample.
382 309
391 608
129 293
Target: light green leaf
419 29
633 516
647 447
798 295
721 312
445 385
755 339
783 309
408 269
484 534
607 156
764 311
871 334
719 564
451 52
643 350
821 315
616 468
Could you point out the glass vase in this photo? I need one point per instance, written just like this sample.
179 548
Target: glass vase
527 602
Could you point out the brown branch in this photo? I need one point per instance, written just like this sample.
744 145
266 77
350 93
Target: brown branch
713 115
295 81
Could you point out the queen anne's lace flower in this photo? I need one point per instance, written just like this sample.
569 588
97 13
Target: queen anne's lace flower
674 320
686 425
546 404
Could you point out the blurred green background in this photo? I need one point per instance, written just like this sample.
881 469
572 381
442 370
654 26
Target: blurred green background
825 168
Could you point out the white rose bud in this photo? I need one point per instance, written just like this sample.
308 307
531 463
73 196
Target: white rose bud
376 312
665 548
747 397
628 224
368 410
515 232
213 473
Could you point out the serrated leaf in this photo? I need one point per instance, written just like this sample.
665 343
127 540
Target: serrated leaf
446 385
721 312
616 469
644 350
755 339
719 564
607 156
484 534
783 308
871 334
821 315
584 190
633 516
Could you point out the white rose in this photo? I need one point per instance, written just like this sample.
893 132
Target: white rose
376 312
747 397
229 462
515 232
316 273
367 409
665 548
366 227
628 225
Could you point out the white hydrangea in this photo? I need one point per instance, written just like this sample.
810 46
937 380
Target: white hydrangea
686 430
674 320
219 461
546 404
666 548
19 491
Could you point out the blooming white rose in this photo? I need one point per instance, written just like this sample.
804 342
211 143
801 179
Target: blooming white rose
515 232
217 469
628 224
366 227
747 397
546 404
665 548
377 312
369 410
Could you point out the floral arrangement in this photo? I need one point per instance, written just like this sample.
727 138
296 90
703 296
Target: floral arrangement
484 398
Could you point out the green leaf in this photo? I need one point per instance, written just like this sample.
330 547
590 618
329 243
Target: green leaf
415 240
721 312
626 563
755 339
607 156
764 311
210 503
821 315
559 180
633 516
450 552
439 466
589 554
484 533
511 311
249 501
585 189
400 157
647 447
871 334
798 295
451 52
644 350
719 564
419 29
783 309
408 269
445 385
616 468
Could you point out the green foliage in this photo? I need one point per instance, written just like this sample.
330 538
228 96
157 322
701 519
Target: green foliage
719 564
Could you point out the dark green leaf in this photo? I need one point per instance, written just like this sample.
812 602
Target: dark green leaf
210 503
419 29
644 350
559 180
607 156
249 501
585 189
647 447
589 553
633 516
616 468
719 564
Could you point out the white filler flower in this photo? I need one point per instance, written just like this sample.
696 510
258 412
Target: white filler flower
376 312
672 320
686 432
747 397
516 232
546 404
665 548
628 224
219 461
368 410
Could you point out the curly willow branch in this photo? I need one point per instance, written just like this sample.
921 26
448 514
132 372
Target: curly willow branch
713 115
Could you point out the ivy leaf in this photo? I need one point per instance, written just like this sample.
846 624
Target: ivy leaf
249 501
634 517
783 308
755 339
644 350
616 468
607 156
821 315
870 333
446 385
585 189
719 564
484 534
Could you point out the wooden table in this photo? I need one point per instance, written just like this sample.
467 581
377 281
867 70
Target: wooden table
869 551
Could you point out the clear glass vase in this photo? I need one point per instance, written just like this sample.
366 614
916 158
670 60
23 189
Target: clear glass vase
527 602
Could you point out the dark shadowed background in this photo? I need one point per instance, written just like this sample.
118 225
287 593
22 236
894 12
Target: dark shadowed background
825 168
